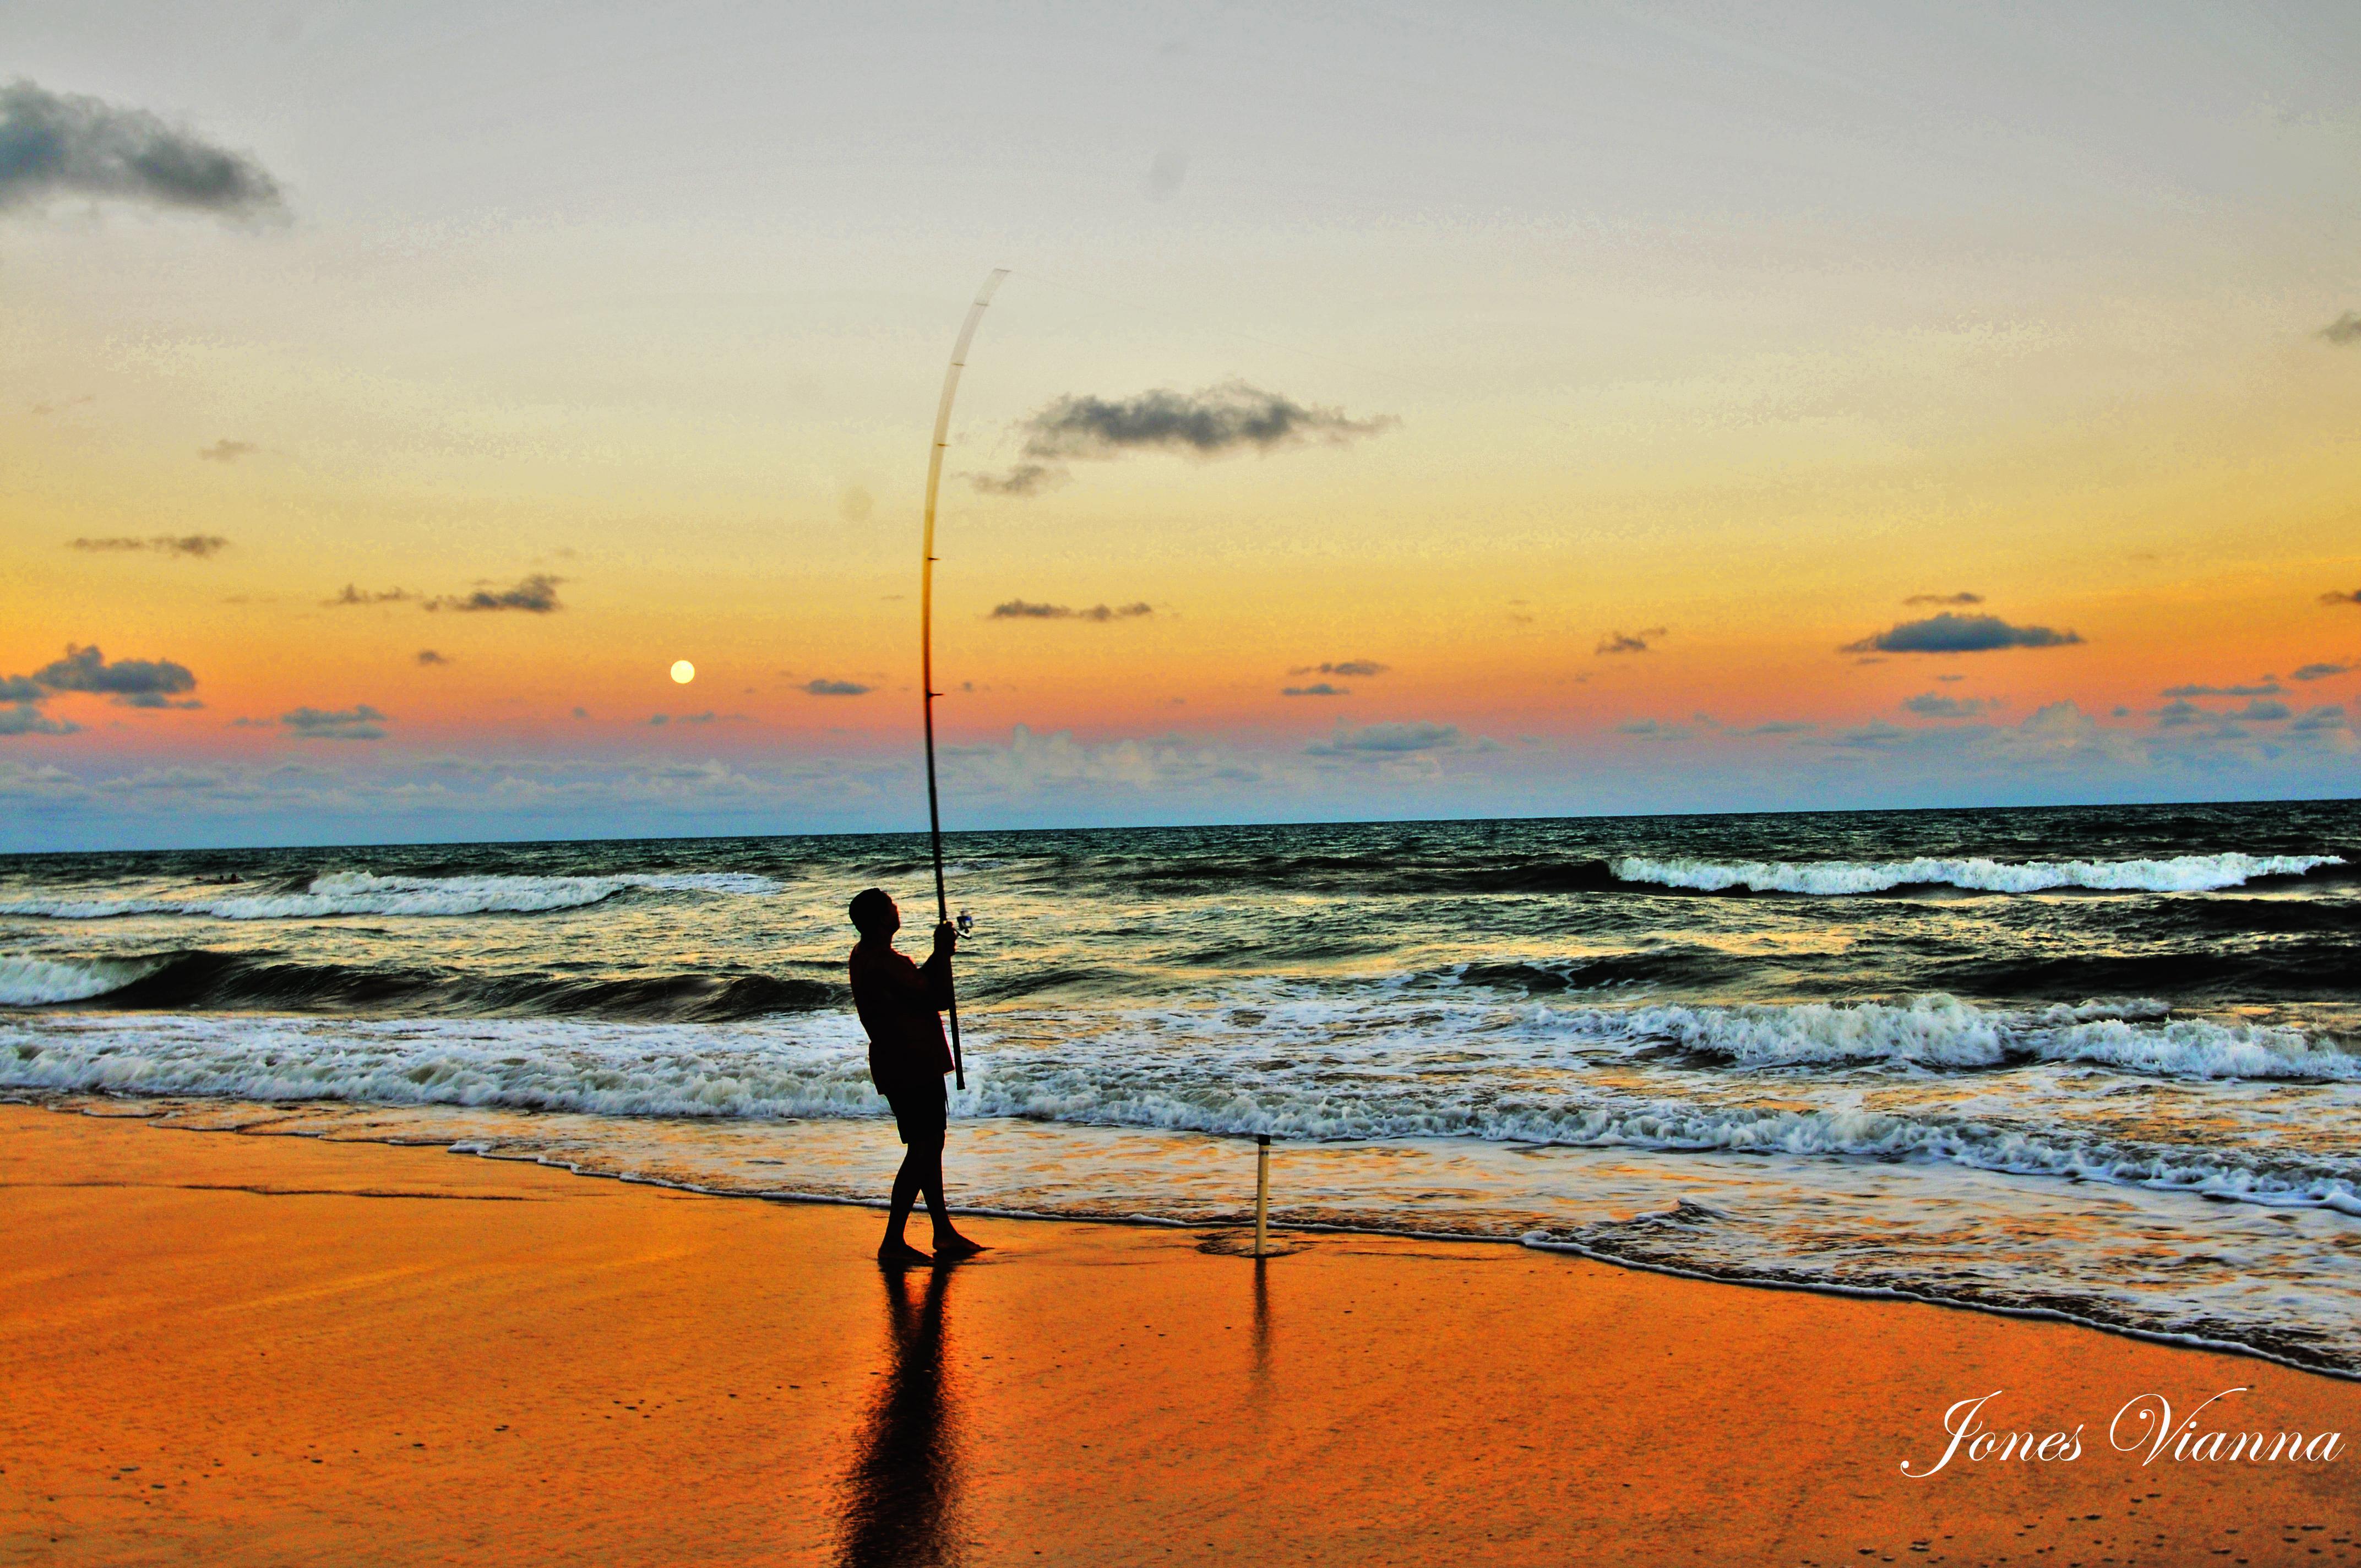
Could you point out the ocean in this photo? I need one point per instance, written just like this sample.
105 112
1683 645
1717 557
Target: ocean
2100 1063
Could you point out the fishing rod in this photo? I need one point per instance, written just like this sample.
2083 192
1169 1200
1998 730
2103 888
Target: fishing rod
926 620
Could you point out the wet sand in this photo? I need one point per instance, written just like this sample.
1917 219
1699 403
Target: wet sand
228 1349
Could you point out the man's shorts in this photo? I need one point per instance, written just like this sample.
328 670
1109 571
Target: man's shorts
921 1113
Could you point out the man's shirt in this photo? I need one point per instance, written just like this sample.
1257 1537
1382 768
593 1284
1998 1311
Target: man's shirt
899 1003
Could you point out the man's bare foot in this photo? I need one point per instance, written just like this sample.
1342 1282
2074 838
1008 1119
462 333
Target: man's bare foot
954 1245
902 1254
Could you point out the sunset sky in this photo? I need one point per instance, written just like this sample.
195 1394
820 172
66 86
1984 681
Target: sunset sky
1392 411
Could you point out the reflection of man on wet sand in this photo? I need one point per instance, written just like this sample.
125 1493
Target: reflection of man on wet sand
901 1498
899 1003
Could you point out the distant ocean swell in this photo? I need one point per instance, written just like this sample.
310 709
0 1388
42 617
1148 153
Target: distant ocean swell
817 1068
357 893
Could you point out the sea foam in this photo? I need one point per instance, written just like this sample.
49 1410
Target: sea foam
1496 1086
2179 874
365 893
1942 1032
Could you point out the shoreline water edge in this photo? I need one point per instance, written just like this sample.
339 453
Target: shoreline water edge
2090 1065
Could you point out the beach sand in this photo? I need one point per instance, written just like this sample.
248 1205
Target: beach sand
229 1349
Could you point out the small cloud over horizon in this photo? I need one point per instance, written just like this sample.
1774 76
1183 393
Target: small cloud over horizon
358 722
535 595
199 545
1641 641
227 451
1214 421
1934 704
57 143
818 688
2266 686
1944 599
2345 329
1319 689
353 595
1949 633
1391 738
131 682
1024 609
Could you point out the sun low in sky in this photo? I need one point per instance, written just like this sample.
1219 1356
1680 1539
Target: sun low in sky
1491 410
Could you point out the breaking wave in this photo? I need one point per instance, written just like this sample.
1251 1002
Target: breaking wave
210 982
1938 1032
36 983
365 893
1522 1073
2180 873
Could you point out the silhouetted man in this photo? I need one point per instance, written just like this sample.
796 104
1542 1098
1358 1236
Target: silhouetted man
899 1003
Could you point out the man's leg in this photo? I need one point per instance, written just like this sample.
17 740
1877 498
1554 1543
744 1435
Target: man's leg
916 1160
948 1243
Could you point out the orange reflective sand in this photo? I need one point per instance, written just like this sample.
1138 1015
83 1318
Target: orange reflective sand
238 1349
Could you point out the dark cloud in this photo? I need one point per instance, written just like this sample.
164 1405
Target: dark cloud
2173 715
1213 422
21 688
227 451
1944 599
1024 609
1949 633
835 688
1653 730
1364 669
1025 479
2321 672
1415 735
360 722
2345 329
536 595
2334 596
353 595
1934 704
1321 688
2264 687
1638 642
197 544
69 145
429 656
2330 717
2263 710
132 683
1780 727
24 718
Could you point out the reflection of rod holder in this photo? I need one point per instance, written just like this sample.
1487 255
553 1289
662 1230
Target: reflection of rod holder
1262 1194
